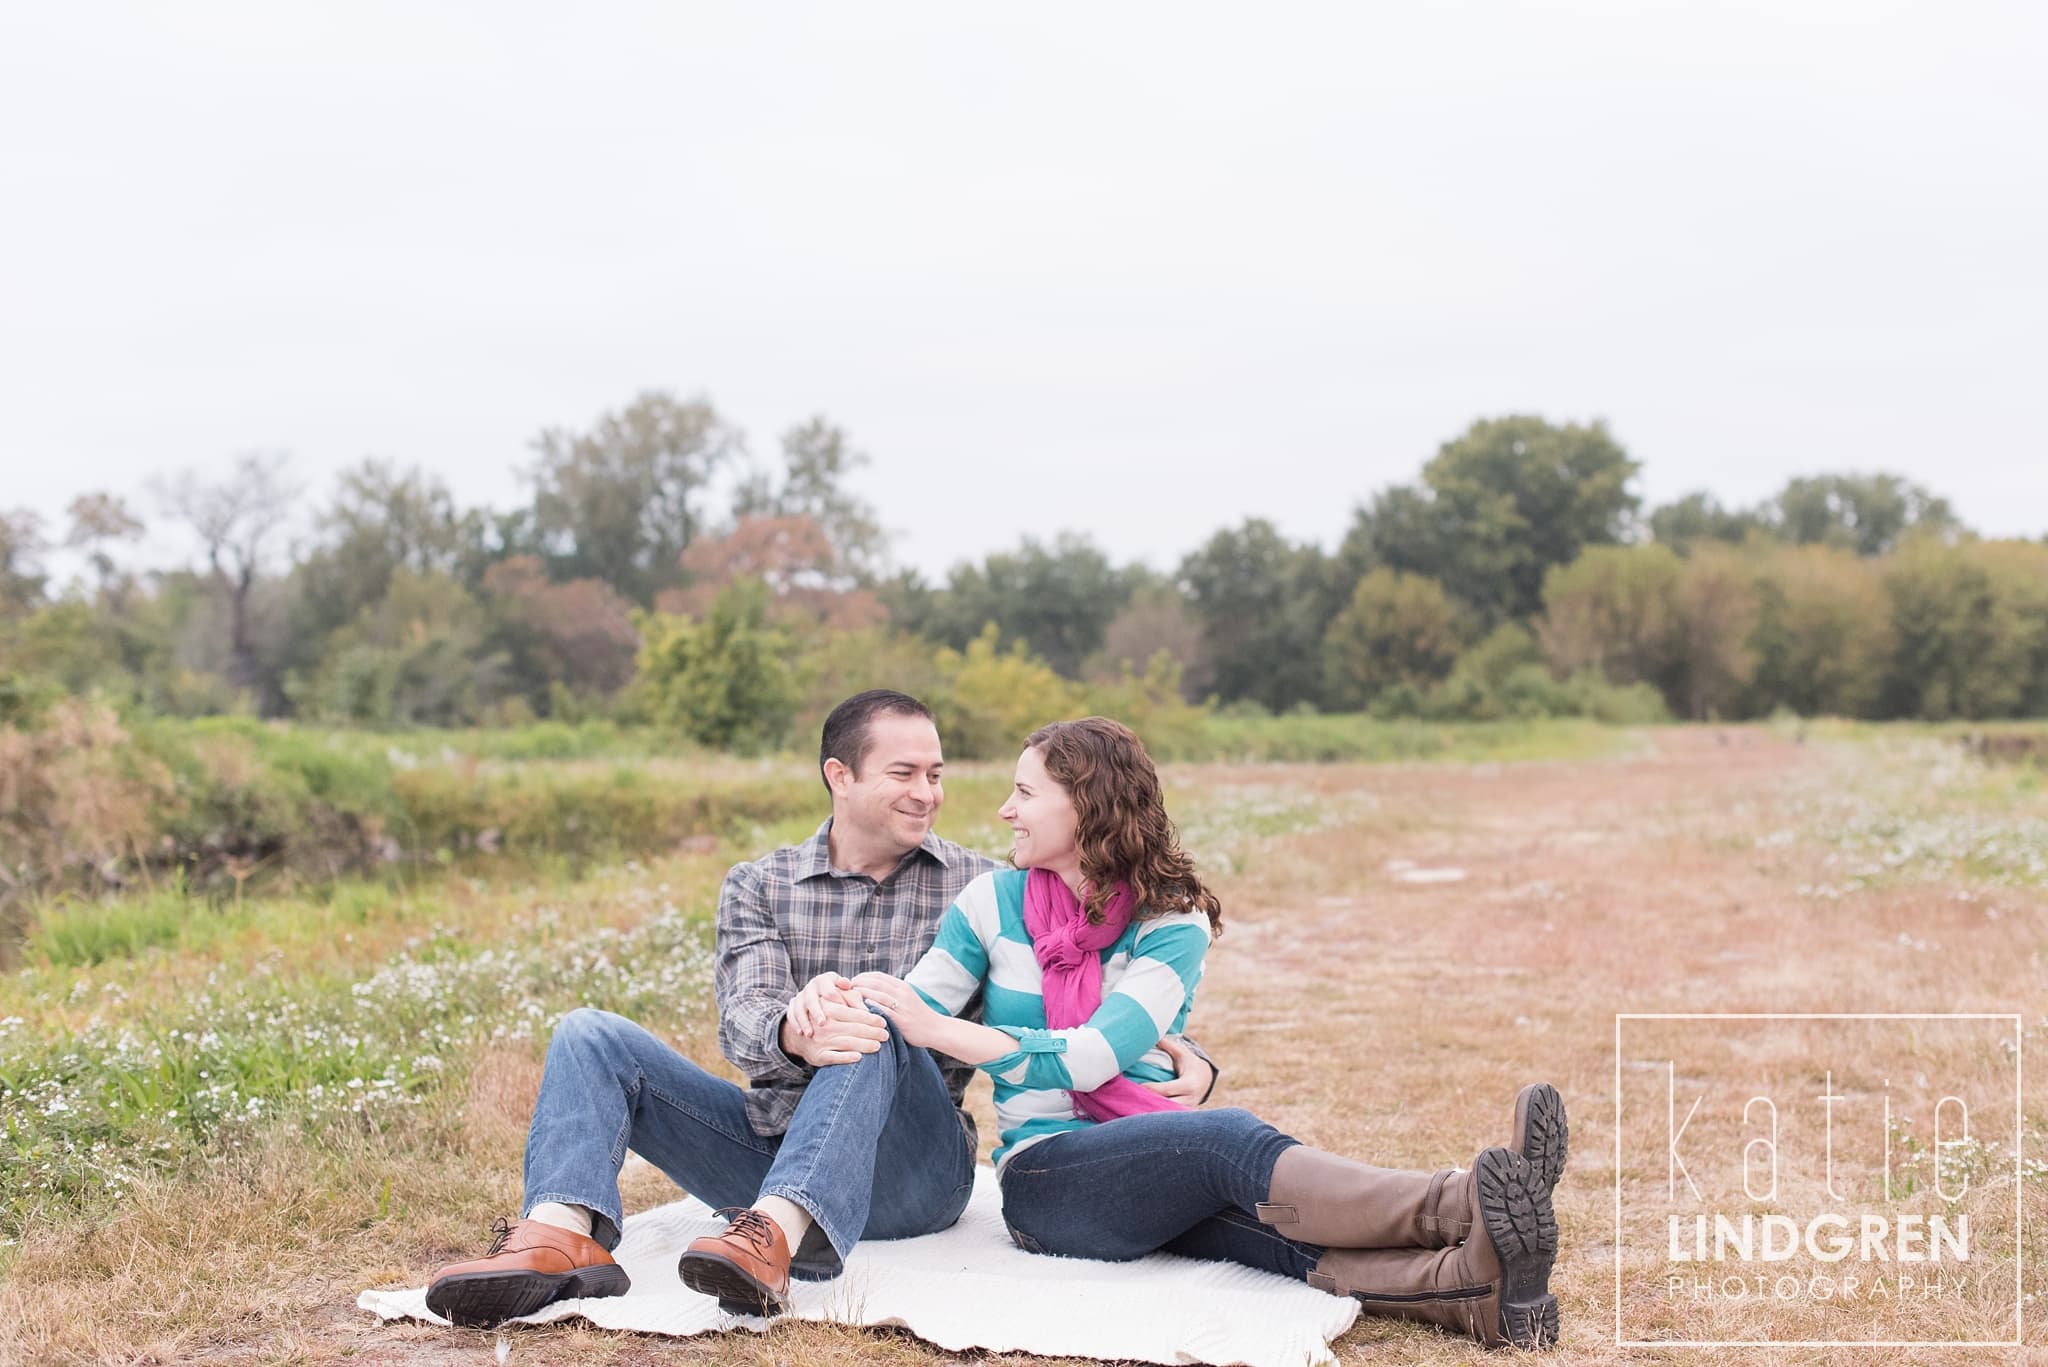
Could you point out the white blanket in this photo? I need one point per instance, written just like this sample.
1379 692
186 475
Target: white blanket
970 1287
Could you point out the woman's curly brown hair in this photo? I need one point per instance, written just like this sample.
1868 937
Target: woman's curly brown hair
1122 827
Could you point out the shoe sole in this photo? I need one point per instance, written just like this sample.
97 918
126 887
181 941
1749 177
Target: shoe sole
482 1299
1515 1207
738 1291
1541 1134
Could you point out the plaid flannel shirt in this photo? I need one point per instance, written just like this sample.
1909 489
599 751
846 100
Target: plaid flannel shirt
786 918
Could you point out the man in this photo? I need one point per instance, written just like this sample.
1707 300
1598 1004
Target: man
846 1133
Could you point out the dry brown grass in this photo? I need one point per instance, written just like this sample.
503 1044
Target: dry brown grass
1387 1020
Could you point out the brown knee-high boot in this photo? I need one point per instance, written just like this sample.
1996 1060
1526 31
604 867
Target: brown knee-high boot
1495 1286
1320 1198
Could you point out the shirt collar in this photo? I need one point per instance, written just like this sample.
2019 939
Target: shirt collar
936 848
815 855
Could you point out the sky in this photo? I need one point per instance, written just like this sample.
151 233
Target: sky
1137 270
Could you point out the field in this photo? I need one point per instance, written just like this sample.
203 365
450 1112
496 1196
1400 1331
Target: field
224 1118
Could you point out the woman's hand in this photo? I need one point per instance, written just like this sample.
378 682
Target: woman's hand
806 1010
902 1004
825 1023
1193 1075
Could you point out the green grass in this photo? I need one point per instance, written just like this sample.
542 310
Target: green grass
112 1068
82 932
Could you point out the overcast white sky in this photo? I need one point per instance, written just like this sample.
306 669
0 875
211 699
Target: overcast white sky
1138 270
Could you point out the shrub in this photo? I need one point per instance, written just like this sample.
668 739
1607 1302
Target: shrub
730 681
1399 631
992 698
1153 705
74 794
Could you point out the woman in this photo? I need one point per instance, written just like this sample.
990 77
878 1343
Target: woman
1085 955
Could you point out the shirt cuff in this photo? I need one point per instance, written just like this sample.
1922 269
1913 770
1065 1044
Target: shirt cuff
763 1027
1029 1042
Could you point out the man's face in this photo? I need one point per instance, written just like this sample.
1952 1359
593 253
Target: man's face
897 793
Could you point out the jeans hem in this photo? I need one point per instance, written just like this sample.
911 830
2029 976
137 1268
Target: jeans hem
799 1197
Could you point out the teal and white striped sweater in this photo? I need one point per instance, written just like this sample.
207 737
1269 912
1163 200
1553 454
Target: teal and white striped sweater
1148 984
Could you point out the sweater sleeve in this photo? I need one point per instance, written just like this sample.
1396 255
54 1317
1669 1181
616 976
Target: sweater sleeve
952 969
1166 963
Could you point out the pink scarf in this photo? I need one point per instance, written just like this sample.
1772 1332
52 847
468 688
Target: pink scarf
1069 952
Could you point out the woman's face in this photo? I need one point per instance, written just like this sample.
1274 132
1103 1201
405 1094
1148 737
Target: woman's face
1041 816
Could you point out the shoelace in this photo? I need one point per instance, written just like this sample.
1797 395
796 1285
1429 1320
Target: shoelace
751 1225
501 1230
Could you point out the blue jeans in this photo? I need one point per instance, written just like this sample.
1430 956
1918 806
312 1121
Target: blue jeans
1186 1182
876 1149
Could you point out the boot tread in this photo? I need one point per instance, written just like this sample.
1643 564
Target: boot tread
1515 1207
1541 1132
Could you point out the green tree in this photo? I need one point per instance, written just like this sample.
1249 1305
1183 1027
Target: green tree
1264 604
383 518
380 519
1700 516
1401 528
1398 629
1496 656
620 502
1502 675
729 681
1500 507
1058 600
1823 638
1971 624
68 644
910 602
1715 606
1156 619
1614 610
415 657
1868 514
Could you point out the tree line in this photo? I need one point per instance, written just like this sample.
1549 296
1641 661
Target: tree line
658 573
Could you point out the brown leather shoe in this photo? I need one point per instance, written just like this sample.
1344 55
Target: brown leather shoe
528 1265
746 1268
1540 1133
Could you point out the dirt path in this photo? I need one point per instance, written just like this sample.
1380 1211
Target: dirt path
1394 1020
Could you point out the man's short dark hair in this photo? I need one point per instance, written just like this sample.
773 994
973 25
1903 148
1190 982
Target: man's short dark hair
846 729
